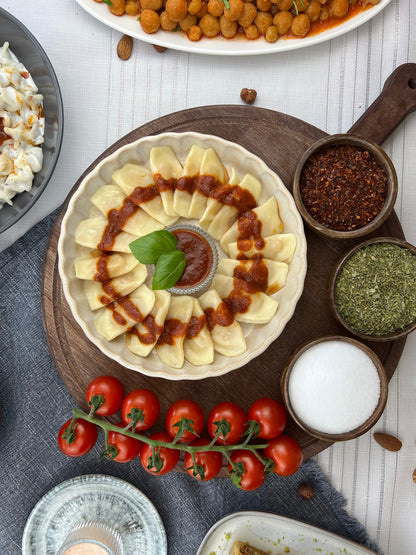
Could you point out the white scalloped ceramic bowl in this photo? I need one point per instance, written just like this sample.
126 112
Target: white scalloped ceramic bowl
258 337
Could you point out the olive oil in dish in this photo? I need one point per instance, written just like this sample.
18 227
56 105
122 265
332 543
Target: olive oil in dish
334 387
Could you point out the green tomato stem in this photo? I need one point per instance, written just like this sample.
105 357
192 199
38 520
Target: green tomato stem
107 427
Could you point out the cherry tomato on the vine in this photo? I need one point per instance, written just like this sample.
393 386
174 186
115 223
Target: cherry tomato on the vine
168 457
184 409
271 416
112 391
253 475
210 461
81 440
128 447
236 418
286 453
147 405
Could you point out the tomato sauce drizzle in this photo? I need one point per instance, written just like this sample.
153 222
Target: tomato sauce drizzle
153 330
256 274
102 270
196 325
220 316
172 330
117 219
143 194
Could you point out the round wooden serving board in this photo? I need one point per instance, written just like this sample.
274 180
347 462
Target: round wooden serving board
279 140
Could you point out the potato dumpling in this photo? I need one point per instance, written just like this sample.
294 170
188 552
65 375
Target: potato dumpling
248 16
194 7
228 28
131 8
188 22
117 7
313 11
262 21
338 8
264 5
210 25
251 32
282 21
215 7
150 21
154 5
166 23
195 33
300 25
176 9
271 34
284 5
236 10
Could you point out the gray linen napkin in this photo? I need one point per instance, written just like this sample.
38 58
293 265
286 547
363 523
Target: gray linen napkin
35 403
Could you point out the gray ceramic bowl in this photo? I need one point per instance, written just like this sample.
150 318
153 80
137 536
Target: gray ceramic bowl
27 49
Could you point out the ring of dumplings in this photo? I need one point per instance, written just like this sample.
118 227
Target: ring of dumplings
172 179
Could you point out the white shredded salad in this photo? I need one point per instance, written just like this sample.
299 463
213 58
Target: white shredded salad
22 126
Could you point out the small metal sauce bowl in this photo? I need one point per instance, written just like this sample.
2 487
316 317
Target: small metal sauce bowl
199 288
382 159
332 281
351 434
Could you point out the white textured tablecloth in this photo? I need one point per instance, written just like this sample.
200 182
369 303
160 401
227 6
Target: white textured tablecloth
329 85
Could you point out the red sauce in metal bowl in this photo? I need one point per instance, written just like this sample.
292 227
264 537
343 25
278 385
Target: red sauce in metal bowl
198 256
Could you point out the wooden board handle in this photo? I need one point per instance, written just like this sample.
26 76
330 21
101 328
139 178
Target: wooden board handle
396 101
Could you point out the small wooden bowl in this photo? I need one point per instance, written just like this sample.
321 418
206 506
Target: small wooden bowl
388 336
383 160
365 426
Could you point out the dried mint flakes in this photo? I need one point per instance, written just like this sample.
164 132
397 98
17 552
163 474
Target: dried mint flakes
375 291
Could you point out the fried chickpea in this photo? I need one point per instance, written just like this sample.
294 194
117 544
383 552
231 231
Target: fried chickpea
249 15
131 8
150 21
176 9
117 7
338 8
195 33
271 34
236 10
251 32
284 5
262 21
154 5
313 11
166 23
194 6
215 7
210 25
300 25
188 22
282 21
228 28
264 5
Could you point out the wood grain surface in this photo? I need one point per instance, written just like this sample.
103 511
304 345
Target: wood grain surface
279 140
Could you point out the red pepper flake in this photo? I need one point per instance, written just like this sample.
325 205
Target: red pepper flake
343 187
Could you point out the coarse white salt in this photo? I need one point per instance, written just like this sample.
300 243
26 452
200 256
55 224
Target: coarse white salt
334 387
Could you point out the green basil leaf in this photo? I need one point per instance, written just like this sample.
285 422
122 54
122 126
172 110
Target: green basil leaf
169 269
148 248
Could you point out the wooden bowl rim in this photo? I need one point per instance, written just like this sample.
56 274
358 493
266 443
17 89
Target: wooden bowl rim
365 426
383 159
391 336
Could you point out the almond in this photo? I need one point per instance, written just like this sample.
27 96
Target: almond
414 475
125 47
388 441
